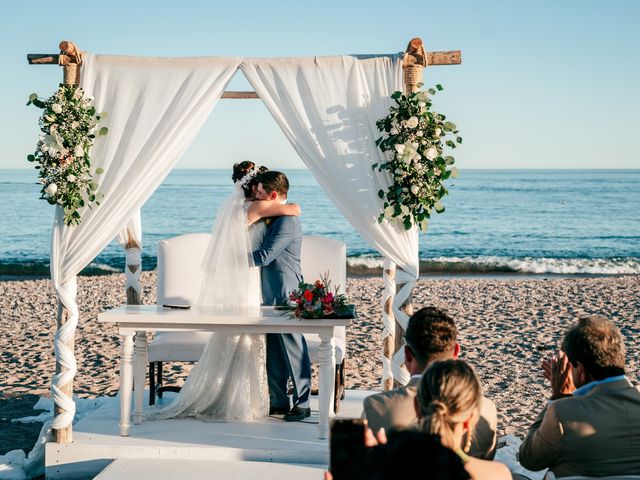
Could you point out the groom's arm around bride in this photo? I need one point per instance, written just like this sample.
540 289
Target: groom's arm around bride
279 259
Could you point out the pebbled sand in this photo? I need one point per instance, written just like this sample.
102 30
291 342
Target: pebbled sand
506 327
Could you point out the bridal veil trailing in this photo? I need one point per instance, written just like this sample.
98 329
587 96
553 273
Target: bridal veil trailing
229 381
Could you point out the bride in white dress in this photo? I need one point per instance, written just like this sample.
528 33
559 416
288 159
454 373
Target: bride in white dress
229 381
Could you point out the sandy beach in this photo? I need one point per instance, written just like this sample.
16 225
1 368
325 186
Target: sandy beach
506 327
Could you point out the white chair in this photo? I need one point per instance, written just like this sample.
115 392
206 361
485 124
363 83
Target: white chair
179 281
318 256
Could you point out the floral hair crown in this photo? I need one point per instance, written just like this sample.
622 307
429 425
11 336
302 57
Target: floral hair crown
244 181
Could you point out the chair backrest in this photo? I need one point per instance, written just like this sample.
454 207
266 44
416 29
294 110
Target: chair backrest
180 274
322 254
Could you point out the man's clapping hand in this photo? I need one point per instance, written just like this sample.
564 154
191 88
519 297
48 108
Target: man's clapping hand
558 371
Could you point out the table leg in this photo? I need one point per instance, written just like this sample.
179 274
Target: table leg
139 374
326 376
126 380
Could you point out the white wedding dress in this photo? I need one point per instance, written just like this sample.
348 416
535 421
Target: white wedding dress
229 382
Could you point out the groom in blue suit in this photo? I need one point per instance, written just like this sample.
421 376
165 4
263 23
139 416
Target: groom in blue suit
279 256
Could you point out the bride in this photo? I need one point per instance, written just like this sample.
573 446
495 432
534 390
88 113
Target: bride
229 381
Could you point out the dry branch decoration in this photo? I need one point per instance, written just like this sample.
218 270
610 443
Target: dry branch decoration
69 124
414 137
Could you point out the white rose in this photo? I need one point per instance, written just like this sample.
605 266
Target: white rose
454 172
78 151
412 122
438 132
399 148
414 189
424 224
393 131
51 189
77 95
71 178
416 157
438 206
42 181
405 210
419 133
75 124
56 107
431 153
388 212
422 104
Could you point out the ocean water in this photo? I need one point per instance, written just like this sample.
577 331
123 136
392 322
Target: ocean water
496 221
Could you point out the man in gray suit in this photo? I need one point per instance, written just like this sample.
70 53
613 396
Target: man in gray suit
431 336
288 362
591 425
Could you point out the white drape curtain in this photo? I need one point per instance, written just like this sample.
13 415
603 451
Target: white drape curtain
155 106
327 107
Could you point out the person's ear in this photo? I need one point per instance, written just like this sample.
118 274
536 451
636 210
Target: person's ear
408 354
273 195
456 350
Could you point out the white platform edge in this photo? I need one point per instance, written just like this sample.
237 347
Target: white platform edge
96 442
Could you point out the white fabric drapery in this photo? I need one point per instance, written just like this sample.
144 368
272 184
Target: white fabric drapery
327 108
156 107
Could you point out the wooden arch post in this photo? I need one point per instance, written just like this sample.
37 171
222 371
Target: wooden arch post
414 61
70 58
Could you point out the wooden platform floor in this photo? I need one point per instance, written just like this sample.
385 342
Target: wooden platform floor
97 441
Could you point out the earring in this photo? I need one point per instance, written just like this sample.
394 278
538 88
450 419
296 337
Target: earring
467 445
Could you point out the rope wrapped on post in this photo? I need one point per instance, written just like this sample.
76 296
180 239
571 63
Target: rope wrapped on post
65 407
388 322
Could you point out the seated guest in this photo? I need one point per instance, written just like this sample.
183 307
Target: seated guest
397 456
448 405
431 335
591 425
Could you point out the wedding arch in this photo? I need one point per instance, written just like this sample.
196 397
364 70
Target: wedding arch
327 108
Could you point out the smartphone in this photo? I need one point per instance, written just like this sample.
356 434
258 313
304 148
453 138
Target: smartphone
347 450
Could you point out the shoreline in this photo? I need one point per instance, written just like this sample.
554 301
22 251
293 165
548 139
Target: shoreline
423 276
506 328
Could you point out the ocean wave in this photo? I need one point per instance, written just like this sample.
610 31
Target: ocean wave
372 265
495 265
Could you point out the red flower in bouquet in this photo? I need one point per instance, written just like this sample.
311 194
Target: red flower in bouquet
315 300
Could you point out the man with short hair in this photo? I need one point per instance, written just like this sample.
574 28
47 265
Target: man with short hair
288 364
591 425
431 336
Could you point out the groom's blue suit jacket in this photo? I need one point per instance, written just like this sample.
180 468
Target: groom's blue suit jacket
279 257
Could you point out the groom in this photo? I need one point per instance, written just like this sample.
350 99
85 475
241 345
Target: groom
279 256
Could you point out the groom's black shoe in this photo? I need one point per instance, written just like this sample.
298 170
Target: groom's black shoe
297 414
278 410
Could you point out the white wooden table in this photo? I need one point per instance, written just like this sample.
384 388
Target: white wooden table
152 318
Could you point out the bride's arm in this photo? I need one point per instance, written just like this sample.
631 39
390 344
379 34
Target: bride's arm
268 208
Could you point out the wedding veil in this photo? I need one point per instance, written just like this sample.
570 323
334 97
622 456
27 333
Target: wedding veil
228 282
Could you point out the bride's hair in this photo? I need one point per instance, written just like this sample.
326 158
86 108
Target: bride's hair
241 170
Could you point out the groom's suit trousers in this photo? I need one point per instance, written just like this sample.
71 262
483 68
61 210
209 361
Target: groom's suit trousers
287 355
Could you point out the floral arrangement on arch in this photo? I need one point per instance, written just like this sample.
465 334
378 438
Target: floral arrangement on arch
414 138
69 124
317 300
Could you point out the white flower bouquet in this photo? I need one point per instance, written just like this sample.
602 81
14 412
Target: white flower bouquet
414 137
69 124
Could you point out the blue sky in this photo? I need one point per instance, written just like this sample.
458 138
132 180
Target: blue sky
543 84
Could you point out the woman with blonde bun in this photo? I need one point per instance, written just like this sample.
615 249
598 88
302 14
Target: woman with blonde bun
447 404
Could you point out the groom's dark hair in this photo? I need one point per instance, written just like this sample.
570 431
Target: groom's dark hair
273 181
